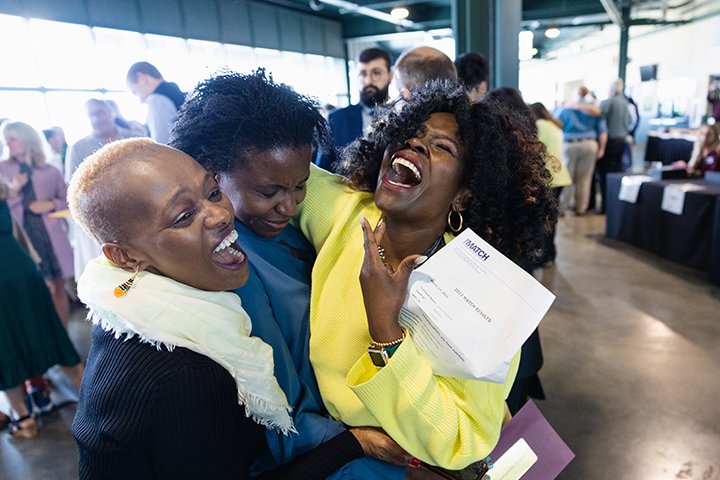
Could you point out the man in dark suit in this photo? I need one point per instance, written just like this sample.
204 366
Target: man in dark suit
349 123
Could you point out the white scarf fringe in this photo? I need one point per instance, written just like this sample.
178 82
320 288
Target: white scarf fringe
166 313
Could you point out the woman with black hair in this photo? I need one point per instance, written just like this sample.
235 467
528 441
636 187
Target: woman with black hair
257 137
428 171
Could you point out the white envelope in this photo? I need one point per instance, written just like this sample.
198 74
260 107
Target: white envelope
469 309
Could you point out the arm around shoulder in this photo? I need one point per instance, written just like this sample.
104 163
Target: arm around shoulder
199 429
319 462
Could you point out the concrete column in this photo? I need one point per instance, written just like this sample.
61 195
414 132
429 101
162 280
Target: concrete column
490 27
624 37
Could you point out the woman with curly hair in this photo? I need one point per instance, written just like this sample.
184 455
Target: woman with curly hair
428 170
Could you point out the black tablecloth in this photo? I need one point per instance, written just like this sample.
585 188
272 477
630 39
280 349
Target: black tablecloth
667 150
692 239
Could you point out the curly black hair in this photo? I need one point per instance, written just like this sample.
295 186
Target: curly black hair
230 115
511 204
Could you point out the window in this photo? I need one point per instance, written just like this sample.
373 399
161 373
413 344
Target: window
24 106
19 66
52 68
115 51
65 54
205 58
240 58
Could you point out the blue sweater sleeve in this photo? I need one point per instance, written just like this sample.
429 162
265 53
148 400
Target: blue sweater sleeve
313 423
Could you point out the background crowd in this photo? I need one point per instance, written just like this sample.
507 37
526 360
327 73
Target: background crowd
577 144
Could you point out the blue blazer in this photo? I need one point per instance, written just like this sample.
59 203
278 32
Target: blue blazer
345 126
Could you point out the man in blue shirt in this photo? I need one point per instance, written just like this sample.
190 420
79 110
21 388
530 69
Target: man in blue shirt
584 136
349 123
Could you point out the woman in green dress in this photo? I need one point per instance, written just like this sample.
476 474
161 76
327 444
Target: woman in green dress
33 339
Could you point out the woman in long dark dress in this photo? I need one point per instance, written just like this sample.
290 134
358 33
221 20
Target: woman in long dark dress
33 338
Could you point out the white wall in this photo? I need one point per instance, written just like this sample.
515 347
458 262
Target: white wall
686 56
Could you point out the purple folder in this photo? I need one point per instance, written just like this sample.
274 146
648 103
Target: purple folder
529 423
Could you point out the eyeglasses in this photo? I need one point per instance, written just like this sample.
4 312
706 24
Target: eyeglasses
373 74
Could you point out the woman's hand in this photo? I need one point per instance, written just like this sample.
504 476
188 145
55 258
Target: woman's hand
18 182
383 290
377 444
39 207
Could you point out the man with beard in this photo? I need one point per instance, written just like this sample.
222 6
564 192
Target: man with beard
349 123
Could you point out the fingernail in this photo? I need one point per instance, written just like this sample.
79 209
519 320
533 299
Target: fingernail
420 260
362 220
414 462
380 221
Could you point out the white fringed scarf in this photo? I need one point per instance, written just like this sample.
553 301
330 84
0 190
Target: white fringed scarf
162 311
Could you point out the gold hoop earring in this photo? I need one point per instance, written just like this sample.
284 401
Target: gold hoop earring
450 223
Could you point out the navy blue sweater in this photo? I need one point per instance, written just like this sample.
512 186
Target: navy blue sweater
146 413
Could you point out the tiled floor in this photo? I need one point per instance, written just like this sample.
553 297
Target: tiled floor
632 348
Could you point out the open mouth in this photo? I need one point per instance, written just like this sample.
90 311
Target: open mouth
403 173
228 254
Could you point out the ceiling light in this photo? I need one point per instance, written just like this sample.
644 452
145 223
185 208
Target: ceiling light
552 33
400 13
316 5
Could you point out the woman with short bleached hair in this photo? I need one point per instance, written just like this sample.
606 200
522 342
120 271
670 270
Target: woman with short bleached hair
175 387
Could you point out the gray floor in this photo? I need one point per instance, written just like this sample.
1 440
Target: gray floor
631 354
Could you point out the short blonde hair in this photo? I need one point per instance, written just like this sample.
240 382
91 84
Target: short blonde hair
92 200
31 138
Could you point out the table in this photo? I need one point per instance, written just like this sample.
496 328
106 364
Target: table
668 148
692 239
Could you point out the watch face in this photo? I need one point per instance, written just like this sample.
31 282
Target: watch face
378 356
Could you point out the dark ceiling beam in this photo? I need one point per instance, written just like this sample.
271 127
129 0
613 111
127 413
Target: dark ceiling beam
393 4
613 12
304 6
352 7
540 25
430 16
549 9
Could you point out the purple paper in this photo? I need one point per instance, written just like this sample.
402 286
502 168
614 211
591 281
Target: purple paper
529 423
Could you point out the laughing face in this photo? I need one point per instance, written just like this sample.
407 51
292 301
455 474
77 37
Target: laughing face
374 77
181 224
268 187
419 179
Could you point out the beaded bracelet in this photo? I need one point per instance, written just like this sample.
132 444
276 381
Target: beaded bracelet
397 341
